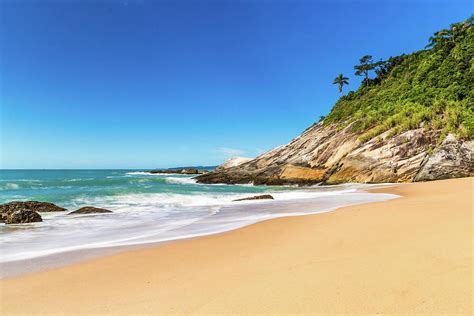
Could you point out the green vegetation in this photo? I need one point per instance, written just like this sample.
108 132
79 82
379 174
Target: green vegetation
433 88
366 65
340 80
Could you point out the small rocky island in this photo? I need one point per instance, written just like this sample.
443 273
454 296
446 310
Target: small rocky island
190 171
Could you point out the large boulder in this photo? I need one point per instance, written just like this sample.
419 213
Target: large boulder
385 159
21 216
31 206
452 159
34 206
89 210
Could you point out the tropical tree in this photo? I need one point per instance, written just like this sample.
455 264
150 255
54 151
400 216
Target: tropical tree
451 35
441 37
341 81
365 66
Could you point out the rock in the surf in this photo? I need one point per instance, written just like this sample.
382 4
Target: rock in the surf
89 210
21 216
3 217
31 206
257 197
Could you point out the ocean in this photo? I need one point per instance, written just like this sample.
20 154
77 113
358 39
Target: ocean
147 209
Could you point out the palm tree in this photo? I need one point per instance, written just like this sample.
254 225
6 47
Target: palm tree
341 81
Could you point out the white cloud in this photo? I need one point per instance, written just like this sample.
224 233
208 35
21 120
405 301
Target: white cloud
230 152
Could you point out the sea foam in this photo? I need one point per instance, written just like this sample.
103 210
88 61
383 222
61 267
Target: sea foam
147 210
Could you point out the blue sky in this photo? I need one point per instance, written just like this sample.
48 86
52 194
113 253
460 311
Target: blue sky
143 84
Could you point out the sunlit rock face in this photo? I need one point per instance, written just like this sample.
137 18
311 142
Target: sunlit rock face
331 154
452 159
232 162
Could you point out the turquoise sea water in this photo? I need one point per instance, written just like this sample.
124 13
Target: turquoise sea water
146 209
72 188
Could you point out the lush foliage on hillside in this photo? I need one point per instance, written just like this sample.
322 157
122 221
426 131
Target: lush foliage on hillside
433 88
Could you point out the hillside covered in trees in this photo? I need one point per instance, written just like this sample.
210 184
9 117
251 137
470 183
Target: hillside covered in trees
411 119
433 87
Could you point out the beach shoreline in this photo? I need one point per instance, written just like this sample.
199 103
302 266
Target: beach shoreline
55 245
406 255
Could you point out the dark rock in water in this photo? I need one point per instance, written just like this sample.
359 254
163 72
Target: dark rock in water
257 197
21 216
89 210
34 206
31 206
3 217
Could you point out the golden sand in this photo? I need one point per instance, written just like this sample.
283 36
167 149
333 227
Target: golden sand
408 255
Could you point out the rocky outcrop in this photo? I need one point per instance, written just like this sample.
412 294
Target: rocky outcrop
385 159
178 171
452 159
257 197
16 212
31 206
21 216
331 154
89 210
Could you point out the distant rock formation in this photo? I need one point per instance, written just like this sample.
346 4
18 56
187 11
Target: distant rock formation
329 154
89 210
178 171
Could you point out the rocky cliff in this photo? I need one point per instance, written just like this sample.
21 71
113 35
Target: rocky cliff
332 155
413 121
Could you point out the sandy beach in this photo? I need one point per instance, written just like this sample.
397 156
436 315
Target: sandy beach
409 255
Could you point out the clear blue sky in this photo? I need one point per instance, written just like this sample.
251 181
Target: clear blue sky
142 84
